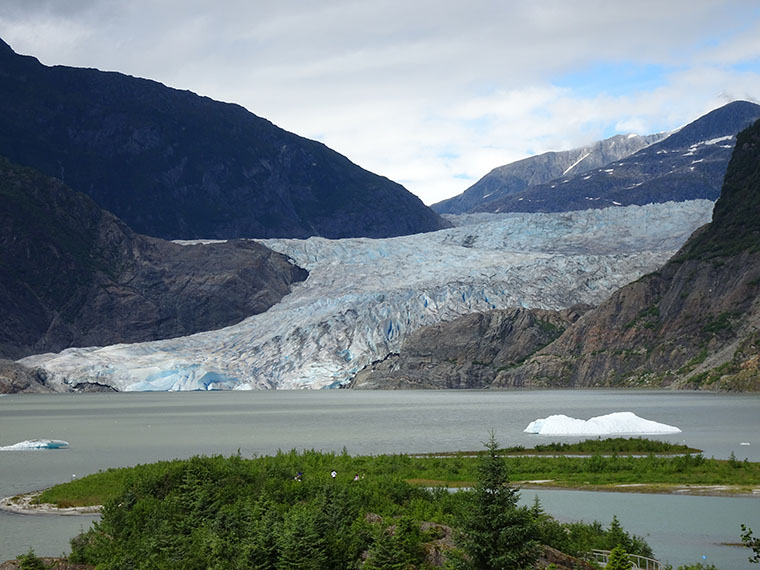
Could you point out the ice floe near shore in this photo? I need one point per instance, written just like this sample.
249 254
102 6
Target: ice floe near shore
34 444
618 423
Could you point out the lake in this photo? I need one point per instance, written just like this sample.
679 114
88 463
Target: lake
108 430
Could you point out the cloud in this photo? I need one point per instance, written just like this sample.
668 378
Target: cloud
431 94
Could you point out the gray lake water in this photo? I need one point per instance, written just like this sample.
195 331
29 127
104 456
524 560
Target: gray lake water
108 430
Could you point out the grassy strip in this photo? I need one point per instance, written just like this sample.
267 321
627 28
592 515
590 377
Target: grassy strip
633 446
596 471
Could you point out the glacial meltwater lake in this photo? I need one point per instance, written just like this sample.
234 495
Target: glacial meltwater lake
108 430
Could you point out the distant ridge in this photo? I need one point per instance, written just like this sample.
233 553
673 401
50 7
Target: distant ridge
626 169
517 176
689 164
175 165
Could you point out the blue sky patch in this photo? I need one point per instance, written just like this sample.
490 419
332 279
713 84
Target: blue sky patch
614 79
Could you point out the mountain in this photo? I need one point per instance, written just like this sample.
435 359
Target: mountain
691 324
72 274
517 176
364 297
689 164
175 165
465 352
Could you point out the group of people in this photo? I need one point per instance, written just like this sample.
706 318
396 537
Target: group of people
333 474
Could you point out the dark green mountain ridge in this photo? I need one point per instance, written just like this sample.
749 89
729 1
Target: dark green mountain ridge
176 165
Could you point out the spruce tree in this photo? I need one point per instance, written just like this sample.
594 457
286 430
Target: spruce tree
618 560
302 544
497 534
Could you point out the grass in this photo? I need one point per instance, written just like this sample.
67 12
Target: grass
604 466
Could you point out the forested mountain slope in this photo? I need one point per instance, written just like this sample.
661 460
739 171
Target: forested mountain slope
175 165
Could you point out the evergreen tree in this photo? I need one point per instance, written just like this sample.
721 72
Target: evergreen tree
751 542
497 534
30 561
398 548
618 560
302 543
260 551
616 536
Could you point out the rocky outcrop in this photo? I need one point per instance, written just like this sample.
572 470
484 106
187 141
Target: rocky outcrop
693 324
689 164
16 378
72 274
468 352
517 176
175 165
557 560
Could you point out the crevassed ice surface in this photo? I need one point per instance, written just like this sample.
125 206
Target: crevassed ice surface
610 424
364 296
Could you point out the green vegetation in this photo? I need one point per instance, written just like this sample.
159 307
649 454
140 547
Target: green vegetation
752 542
610 462
618 559
495 533
648 318
617 445
30 561
636 445
718 323
288 511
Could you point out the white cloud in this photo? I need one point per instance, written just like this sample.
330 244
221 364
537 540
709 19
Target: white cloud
433 94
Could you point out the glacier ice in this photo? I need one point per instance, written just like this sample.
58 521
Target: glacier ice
364 296
33 444
617 423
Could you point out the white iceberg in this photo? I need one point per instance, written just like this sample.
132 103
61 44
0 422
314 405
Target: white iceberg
32 444
618 423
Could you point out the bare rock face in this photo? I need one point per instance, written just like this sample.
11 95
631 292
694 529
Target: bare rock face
72 274
16 378
468 352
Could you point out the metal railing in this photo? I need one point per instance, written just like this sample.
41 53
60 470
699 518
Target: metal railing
639 562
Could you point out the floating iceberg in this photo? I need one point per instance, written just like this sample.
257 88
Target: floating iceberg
32 444
611 424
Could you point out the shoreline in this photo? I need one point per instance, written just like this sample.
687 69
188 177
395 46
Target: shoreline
23 503
689 490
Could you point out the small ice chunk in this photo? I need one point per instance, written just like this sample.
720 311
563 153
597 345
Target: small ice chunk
32 444
615 423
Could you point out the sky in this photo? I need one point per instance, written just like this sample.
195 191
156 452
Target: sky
431 94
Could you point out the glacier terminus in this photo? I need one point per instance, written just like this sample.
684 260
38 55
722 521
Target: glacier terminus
364 296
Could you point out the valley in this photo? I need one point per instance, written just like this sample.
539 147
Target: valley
364 297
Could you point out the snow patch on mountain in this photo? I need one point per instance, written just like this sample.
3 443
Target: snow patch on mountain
364 296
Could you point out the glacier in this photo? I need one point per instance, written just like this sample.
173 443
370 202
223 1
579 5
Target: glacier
364 296
34 444
617 423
